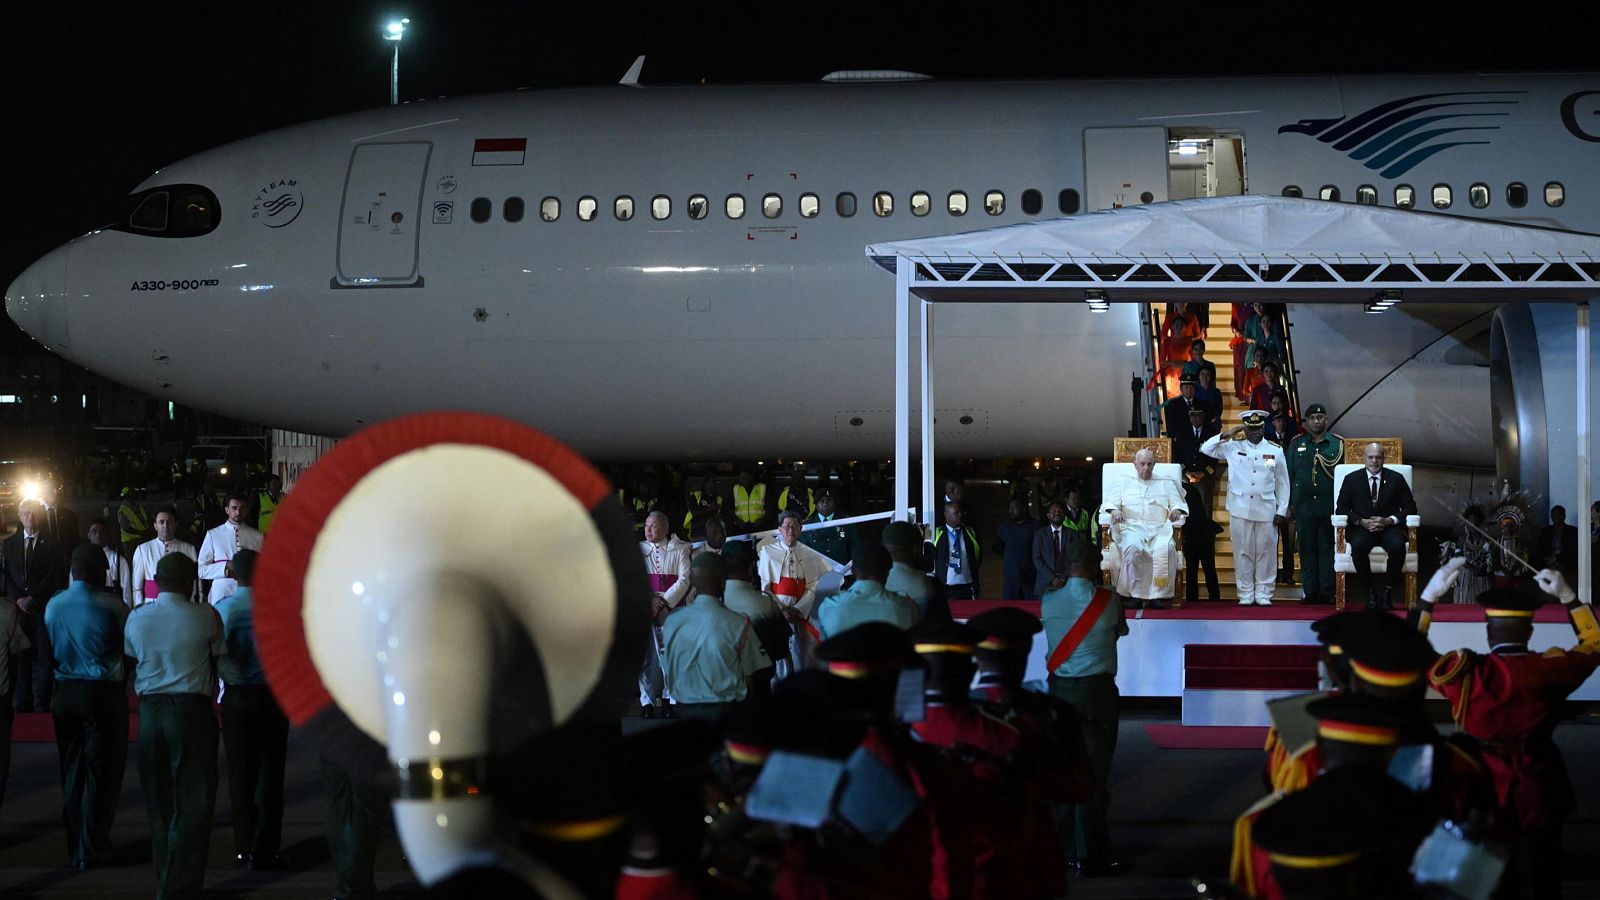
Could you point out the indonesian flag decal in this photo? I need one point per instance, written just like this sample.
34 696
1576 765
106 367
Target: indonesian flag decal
499 151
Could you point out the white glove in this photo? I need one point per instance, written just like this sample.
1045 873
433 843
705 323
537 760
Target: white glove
1551 582
1440 583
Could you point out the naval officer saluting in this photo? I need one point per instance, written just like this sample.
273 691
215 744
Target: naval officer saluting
1258 498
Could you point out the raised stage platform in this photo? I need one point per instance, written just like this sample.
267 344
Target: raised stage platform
1150 657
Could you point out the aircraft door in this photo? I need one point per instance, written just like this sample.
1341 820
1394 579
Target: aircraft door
1124 166
380 215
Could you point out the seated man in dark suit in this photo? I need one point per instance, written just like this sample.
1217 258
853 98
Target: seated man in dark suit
34 570
1377 501
1558 545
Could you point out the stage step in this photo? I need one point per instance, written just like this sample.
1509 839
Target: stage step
1229 684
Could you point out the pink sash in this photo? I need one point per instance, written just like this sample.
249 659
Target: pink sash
151 589
660 583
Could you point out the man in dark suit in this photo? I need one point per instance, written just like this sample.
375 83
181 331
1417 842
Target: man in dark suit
1054 546
1199 468
1013 540
1176 411
34 570
1558 545
59 523
1199 545
1377 501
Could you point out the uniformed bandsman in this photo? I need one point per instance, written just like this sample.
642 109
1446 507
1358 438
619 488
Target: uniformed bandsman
1511 700
1312 456
1258 498
90 708
222 542
836 542
175 644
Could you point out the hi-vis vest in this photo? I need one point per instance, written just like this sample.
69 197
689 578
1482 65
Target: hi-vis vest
268 507
695 501
749 505
811 502
132 523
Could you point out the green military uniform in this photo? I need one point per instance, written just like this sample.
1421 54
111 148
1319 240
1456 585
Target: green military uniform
1311 495
175 644
837 542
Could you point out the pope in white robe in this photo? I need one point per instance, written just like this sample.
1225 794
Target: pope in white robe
1144 512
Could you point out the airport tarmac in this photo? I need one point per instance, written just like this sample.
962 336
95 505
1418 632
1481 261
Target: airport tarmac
1172 814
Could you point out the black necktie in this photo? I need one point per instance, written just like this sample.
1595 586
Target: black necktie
1058 550
1374 489
27 558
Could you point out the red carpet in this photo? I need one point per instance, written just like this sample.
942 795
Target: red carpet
1206 737
1286 611
39 728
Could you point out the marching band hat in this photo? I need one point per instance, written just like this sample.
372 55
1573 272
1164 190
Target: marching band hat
1508 603
1358 719
1330 630
867 649
1384 650
945 638
1349 818
1006 630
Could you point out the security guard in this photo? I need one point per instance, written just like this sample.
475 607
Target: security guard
1511 700
267 502
254 730
132 522
704 504
90 708
749 503
175 644
837 542
1312 456
1258 498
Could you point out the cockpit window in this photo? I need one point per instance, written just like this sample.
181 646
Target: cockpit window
179 210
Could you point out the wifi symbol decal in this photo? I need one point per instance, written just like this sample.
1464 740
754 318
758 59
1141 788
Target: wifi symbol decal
444 212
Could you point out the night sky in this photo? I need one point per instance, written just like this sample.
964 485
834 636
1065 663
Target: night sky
96 98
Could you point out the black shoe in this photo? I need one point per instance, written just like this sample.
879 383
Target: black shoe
1156 604
269 862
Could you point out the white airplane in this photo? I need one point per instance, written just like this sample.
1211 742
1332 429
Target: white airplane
653 272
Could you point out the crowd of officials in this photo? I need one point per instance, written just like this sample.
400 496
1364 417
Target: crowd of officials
950 776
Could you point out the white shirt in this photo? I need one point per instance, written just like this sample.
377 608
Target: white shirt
964 575
217 550
670 558
775 562
145 557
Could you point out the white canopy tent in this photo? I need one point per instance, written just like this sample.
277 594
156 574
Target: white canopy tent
1237 249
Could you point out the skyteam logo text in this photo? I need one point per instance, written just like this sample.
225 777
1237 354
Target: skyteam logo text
1392 138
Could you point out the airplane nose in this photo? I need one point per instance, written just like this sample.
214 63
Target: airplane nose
36 301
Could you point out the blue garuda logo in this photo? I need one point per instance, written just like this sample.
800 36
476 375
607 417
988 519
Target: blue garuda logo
1392 138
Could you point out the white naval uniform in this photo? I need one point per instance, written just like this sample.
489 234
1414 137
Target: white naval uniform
217 550
667 566
1146 560
145 557
1258 489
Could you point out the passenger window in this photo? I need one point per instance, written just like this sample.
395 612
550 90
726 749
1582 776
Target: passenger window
772 206
921 203
1516 195
1292 190
1067 202
623 208
883 204
994 203
1442 196
660 206
734 206
481 210
845 205
549 209
810 205
956 203
1478 195
1367 194
1032 202
587 207
512 210
151 215
1405 196
1328 192
1554 194
698 206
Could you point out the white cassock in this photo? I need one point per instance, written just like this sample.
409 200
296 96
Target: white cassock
1143 556
145 557
667 566
790 574
217 550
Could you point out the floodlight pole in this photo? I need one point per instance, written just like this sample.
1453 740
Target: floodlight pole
1585 496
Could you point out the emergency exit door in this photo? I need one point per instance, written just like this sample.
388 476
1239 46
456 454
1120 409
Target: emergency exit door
380 215
1124 166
